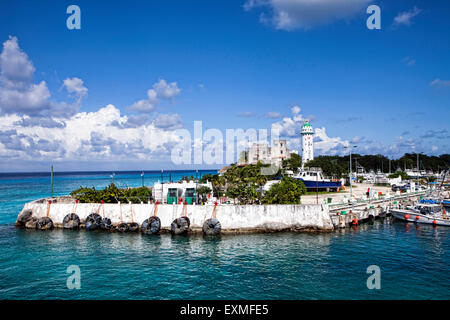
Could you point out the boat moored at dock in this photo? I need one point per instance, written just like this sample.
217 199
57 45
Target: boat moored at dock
424 213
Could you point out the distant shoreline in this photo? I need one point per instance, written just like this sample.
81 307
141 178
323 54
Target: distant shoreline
105 172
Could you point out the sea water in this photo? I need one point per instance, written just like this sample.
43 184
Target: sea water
413 259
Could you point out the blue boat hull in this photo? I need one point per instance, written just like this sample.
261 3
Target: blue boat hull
310 184
446 203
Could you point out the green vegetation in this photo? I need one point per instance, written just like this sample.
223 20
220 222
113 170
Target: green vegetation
338 167
331 166
293 163
288 191
241 183
397 174
203 191
112 194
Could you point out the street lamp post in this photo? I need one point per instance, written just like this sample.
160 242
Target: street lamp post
351 174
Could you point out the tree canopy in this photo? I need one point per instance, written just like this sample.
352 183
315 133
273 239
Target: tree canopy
288 191
293 163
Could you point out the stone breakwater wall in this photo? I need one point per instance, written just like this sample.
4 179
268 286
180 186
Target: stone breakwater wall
233 218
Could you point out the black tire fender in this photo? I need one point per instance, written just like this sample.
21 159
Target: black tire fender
93 221
71 221
123 227
106 224
44 223
180 226
151 225
211 227
133 227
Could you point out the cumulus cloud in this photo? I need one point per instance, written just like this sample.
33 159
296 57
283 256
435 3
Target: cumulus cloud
17 70
143 106
20 95
160 90
290 126
169 121
305 14
406 17
75 86
166 90
101 135
330 145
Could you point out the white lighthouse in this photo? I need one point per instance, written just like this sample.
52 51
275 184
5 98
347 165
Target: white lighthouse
307 142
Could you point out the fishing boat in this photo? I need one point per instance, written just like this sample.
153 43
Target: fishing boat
313 179
426 213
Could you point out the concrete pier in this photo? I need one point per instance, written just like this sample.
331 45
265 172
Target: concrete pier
343 215
233 218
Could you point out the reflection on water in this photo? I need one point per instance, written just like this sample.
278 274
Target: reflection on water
413 260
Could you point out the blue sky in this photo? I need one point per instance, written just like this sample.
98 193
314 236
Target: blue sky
232 64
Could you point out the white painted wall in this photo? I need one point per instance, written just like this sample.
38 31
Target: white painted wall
230 216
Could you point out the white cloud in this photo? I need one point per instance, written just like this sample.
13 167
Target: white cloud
16 68
169 121
85 136
166 90
328 145
143 106
405 18
20 95
295 110
76 86
30 100
305 14
291 126
160 90
438 83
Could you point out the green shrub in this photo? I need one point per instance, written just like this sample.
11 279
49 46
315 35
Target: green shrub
112 194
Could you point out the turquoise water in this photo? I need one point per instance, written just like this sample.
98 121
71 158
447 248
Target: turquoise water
414 260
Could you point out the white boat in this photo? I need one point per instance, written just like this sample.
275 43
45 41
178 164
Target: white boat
424 213
314 179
